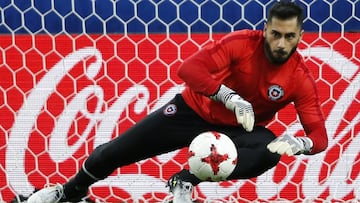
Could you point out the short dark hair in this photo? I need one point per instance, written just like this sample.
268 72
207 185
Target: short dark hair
284 10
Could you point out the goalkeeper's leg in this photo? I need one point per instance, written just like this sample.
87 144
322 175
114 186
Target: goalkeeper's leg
253 156
162 131
253 159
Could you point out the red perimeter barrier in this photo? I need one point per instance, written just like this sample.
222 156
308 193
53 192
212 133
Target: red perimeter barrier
61 96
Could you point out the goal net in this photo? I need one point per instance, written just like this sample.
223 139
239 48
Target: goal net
76 73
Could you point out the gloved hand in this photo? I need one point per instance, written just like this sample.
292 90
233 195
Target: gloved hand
243 109
290 145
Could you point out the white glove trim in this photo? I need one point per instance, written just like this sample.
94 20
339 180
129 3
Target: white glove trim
243 109
290 145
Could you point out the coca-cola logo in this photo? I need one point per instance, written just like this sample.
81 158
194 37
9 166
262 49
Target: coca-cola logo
332 174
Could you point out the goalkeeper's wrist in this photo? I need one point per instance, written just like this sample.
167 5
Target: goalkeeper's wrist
307 143
223 94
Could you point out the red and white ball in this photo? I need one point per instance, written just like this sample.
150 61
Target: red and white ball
212 156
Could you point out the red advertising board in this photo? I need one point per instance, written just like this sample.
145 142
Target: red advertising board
61 96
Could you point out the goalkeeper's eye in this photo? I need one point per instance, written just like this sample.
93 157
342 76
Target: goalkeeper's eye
276 34
289 36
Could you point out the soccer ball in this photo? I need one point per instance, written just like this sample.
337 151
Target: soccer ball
212 156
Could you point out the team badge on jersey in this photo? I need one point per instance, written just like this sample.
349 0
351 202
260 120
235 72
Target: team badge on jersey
275 92
170 110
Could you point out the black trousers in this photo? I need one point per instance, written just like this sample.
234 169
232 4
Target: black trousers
173 127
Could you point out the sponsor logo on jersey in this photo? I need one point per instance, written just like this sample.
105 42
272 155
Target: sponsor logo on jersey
275 92
170 110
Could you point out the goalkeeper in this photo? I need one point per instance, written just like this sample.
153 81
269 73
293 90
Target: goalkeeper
235 86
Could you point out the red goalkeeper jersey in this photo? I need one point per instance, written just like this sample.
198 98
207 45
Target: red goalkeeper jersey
238 61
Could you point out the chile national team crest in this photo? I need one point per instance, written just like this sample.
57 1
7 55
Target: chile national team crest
275 92
170 110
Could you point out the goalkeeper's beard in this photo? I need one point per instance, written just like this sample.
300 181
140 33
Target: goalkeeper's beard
281 58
